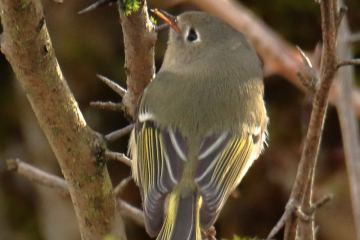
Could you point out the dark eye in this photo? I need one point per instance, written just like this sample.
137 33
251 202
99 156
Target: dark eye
192 36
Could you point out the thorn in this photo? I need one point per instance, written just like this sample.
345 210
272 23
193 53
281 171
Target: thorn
114 86
310 78
340 15
96 5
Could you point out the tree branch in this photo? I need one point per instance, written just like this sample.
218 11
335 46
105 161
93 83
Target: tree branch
36 175
139 40
39 176
119 189
114 86
118 156
312 143
27 46
348 122
349 62
132 213
117 107
119 133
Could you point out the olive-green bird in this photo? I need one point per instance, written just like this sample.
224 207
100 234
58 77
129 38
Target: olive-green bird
200 124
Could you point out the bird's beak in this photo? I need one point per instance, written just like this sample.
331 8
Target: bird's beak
170 20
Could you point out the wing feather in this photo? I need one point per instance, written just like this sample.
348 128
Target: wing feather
161 156
219 171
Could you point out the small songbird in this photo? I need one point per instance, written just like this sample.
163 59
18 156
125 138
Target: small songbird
199 126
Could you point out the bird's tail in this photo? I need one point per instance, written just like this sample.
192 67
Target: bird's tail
182 218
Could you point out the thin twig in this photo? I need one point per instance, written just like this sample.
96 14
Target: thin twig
119 189
118 156
110 106
131 213
97 5
305 213
349 62
322 202
114 86
119 133
37 175
312 143
290 208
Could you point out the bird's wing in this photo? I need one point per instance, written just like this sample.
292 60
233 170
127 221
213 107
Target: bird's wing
222 162
161 156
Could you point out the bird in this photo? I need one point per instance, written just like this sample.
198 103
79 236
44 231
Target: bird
199 125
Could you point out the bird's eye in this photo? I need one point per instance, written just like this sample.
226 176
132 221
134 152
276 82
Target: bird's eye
192 36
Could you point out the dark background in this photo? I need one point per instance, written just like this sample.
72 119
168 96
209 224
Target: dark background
92 43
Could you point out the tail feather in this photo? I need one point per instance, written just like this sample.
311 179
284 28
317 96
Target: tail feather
182 219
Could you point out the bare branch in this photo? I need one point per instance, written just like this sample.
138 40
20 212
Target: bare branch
322 202
119 133
118 156
139 39
27 46
312 143
305 212
39 176
117 107
131 213
114 86
290 208
349 62
34 174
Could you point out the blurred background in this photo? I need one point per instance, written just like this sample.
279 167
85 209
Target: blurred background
92 43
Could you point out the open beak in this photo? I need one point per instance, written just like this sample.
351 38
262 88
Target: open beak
170 20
